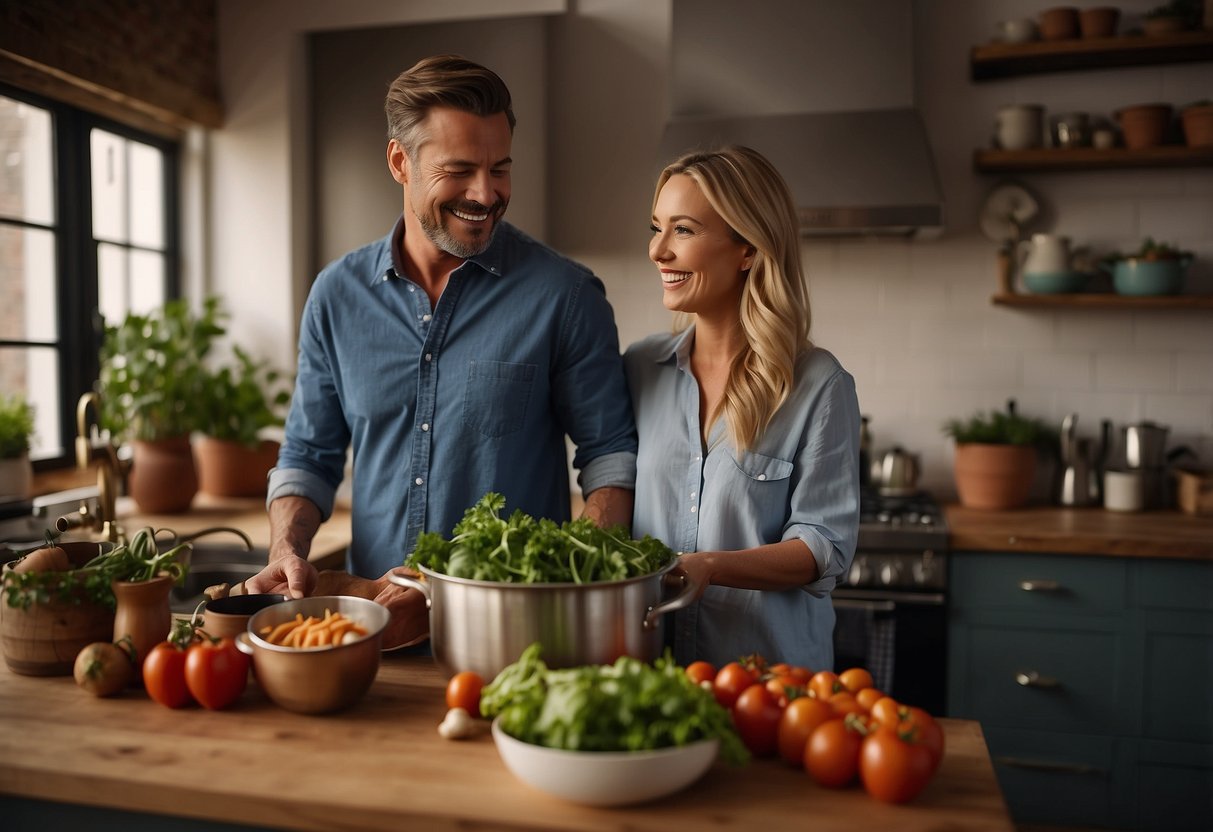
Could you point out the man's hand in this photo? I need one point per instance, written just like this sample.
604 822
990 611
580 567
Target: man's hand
293 524
410 622
289 575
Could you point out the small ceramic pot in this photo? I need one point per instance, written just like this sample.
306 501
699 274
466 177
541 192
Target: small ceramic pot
1019 30
1060 23
1198 125
1099 22
1144 125
1019 126
228 617
1144 278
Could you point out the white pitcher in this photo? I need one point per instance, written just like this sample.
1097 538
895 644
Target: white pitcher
1019 126
1044 254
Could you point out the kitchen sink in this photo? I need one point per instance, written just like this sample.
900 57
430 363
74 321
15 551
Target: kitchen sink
211 564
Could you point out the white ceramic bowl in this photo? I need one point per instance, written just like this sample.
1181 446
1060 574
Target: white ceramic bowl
605 778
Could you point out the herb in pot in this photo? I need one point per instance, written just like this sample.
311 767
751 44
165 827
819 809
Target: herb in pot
625 706
485 547
138 560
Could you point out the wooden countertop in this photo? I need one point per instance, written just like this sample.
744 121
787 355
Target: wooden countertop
1081 531
246 514
382 765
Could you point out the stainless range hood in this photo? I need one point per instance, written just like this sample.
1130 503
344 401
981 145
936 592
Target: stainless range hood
867 172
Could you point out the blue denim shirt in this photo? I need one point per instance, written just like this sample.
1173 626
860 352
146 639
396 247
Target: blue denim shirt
799 481
443 404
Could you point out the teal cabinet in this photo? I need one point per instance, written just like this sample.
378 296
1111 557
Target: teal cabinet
1093 680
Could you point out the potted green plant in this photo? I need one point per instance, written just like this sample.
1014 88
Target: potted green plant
16 429
1173 16
996 457
1154 269
242 401
153 373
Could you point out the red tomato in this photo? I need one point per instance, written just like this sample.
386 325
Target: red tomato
732 679
463 691
918 726
802 674
868 697
886 711
700 672
831 755
855 679
786 688
844 703
894 767
756 715
825 684
215 672
164 675
799 719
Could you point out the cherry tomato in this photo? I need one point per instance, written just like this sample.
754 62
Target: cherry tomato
799 719
164 675
802 674
919 727
215 672
867 697
732 679
700 672
786 688
825 684
756 715
463 691
885 711
894 767
831 756
844 703
855 679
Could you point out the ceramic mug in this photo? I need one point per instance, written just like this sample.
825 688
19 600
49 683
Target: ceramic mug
1020 30
1123 490
1018 127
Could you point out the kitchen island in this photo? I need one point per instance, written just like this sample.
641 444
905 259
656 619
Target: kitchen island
382 765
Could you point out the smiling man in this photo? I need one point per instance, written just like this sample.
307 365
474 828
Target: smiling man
452 355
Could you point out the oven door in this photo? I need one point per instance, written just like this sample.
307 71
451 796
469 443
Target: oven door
900 637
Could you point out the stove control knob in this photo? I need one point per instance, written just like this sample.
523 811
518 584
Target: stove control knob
860 573
884 517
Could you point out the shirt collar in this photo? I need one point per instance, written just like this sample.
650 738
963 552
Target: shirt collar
491 260
679 349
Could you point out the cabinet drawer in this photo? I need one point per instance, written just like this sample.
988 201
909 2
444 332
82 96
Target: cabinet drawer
1177 671
1175 787
1042 677
1173 584
1069 779
1031 582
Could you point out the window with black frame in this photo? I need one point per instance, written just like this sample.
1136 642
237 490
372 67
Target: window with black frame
88 232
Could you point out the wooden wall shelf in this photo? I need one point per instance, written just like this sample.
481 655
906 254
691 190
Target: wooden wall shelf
1094 300
1089 158
1004 60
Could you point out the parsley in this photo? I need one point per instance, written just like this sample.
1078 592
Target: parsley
484 547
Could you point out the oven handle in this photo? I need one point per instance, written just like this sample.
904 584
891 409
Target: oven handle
863 599
872 606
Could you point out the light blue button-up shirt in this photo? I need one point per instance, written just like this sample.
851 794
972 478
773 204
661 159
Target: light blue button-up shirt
443 403
800 481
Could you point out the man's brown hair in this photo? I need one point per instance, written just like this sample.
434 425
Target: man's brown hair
442 81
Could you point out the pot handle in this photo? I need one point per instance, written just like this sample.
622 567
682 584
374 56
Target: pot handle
411 583
684 598
242 644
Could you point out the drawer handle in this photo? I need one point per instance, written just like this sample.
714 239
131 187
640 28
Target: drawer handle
1048 765
1032 679
1040 586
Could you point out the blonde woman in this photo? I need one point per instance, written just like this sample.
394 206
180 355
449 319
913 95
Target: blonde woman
749 434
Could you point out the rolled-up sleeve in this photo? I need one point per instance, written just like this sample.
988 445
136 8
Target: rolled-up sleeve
824 504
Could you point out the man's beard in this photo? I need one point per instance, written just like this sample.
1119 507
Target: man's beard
440 235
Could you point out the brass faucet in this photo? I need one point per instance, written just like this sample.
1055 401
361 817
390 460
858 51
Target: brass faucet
109 475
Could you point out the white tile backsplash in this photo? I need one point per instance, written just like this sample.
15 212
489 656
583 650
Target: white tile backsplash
1135 372
1059 371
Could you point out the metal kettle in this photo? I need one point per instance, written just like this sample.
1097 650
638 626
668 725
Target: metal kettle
897 472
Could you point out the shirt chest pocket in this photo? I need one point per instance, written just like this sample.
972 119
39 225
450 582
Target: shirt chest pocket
497 394
759 469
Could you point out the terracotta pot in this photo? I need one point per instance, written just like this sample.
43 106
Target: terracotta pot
994 476
43 639
1144 125
143 614
1198 125
1060 23
16 478
1098 22
1155 26
230 469
163 478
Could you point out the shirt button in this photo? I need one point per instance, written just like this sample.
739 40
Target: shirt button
429 357
692 495
425 317
412 288
418 481
698 458
425 425
762 476
692 509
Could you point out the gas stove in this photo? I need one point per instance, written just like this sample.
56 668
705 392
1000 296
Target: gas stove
902 545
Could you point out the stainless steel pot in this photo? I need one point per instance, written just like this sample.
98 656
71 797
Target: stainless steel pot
485 625
898 472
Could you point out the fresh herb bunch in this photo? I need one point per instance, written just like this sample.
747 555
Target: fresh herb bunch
485 547
138 560
16 426
625 706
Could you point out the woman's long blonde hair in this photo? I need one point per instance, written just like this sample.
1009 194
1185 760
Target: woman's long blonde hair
751 196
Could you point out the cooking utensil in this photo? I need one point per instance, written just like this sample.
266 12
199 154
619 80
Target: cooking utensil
1135 276
899 472
315 680
229 616
1145 445
485 625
